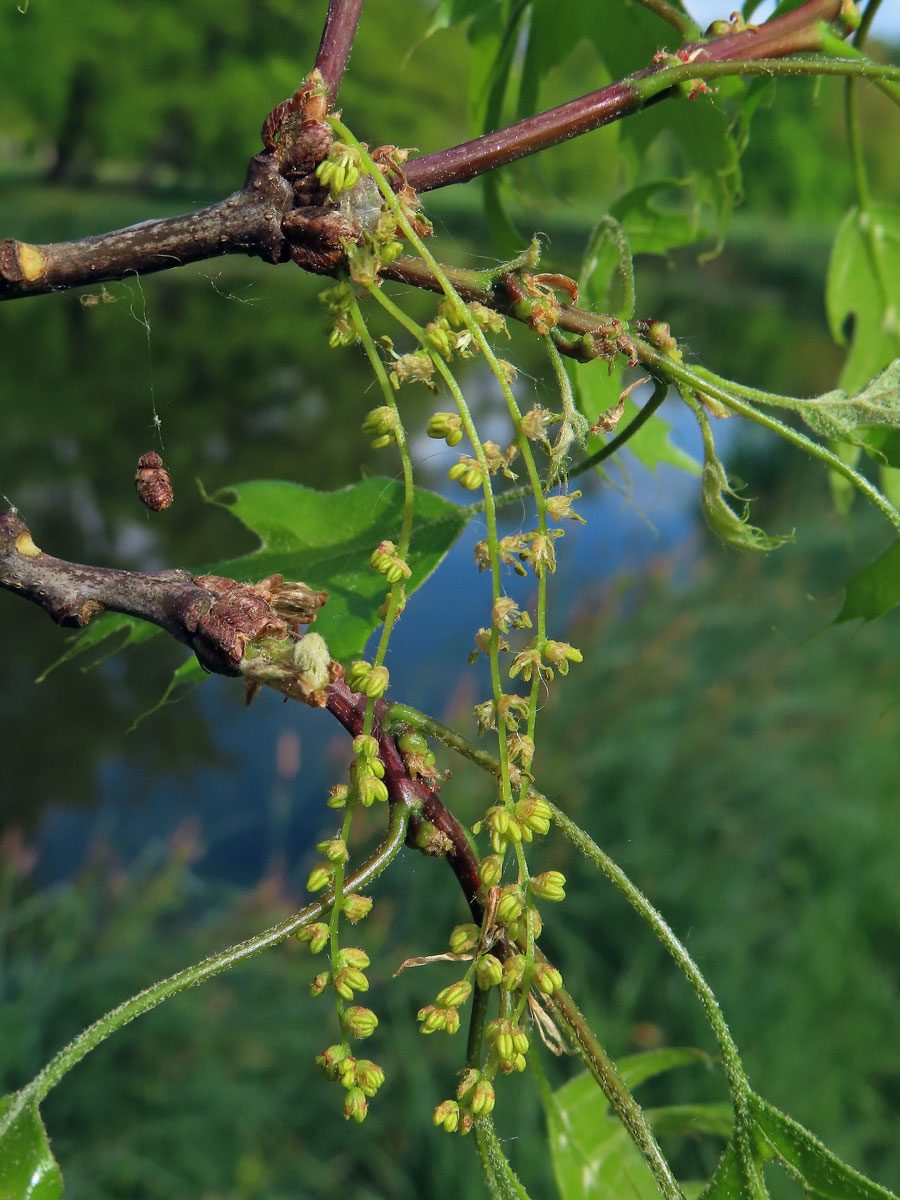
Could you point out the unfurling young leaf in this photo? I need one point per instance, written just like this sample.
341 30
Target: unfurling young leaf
854 418
733 528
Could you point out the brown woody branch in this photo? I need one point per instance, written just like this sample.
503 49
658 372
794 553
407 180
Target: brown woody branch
218 619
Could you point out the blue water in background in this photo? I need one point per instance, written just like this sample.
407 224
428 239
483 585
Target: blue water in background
251 812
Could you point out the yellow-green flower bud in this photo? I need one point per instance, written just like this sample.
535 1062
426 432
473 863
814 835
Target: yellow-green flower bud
437 336
338 795
490 321
488 971
483 1098
334 849
464 938
452 311
451 1024
446 425
329 1059
549 885
319 877
380 422
511 905
369 1076
560 654
446 1115
376 682
454 995
534 814
365 746
371 790
547 978
491 869
360 1022
316 935
352 956
346 1071
355 1105
349 980
513 971
320 983
357 675
356 907
431 1018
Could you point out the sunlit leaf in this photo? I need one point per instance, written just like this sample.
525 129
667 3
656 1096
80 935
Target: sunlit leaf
823 1173
875 589
324 539
593 1154
863 292
28 1170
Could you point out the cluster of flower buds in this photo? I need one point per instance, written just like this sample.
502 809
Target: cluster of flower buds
339 300
474 1097
506 828
347 978
363 677
380 425
444 1013
440 338
508 1043
467 472
367 771
446 425
340 171
361 1077
388 562
549 885
366 257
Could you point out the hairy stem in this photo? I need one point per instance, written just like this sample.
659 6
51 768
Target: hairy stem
501 1179
705 382
622 1102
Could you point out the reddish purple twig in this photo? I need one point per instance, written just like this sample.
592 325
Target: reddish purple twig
793 33
337 41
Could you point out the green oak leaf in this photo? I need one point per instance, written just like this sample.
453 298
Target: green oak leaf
28 1170
824 1175
874 590
862 293
593 1154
